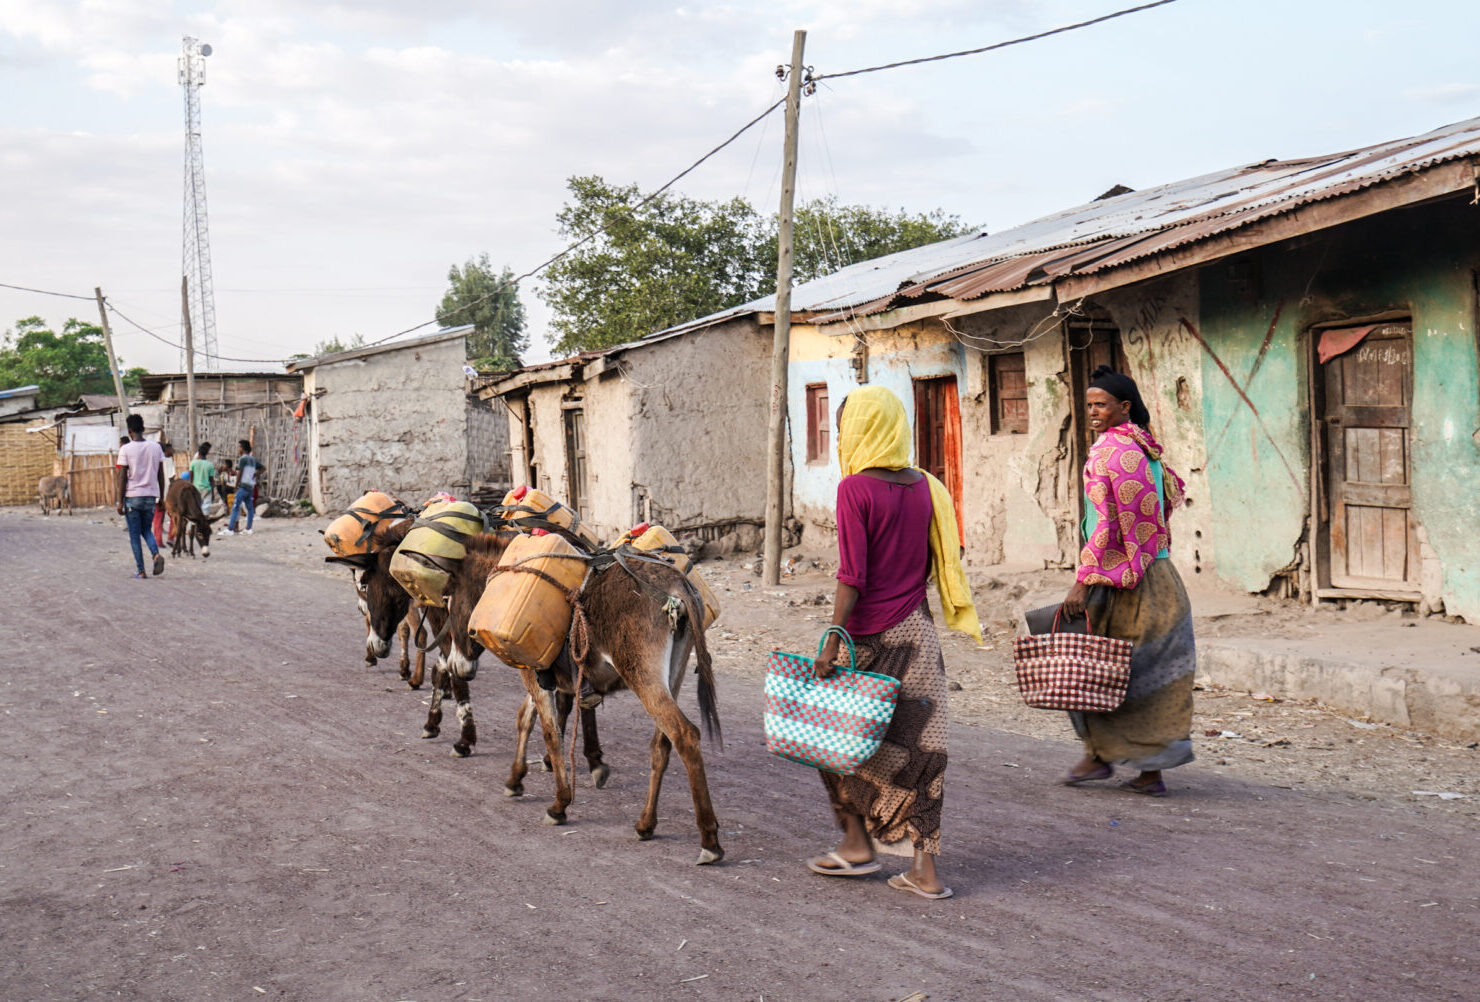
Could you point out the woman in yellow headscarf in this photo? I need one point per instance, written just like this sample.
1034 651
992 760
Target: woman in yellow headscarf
896 526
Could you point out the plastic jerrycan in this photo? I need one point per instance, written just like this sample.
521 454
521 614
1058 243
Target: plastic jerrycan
423 562
656 538
357 530
522 618
546 506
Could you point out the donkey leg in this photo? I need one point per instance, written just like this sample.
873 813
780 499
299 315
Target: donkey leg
563 702
403 634
544 703
678 729
433 725
468 730
519 768
419 675
600 771
658 749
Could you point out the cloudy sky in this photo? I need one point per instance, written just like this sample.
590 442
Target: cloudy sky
355 150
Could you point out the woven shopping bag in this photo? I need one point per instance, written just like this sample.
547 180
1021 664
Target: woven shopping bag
1072 671
835 723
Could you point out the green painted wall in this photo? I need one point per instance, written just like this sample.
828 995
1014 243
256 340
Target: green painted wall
1421 262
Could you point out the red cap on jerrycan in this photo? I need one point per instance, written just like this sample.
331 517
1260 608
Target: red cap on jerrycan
518 495
639 529
540 532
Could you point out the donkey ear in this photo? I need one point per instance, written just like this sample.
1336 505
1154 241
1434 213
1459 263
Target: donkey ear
361 560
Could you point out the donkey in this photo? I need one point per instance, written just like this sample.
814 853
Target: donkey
642 620
56 490
188 522
387 608
459 664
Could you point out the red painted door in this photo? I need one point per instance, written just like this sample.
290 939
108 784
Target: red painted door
938 435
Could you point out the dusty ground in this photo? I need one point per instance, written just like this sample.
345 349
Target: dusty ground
209 796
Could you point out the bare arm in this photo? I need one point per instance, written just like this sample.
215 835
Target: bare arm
161 482
121 479
844 599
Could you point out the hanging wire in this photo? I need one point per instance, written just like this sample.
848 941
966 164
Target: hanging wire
998 45
1039 330
44 292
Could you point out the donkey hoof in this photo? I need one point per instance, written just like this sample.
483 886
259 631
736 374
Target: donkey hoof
462 750
414 685
553 819
600 775
545 764
644 834
707 856
514 791
430 732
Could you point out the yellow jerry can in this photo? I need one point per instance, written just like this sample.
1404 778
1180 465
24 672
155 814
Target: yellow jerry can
359 528
660 542
431 550
524 507
522 618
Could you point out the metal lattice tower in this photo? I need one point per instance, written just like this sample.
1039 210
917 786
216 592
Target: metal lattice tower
196 239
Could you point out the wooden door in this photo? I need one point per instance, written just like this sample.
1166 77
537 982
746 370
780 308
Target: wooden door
1366 416
575 460
938 435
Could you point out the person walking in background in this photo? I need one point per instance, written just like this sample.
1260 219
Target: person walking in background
896 524
169 474
1127 586
225 484
249 473
140 488
203 475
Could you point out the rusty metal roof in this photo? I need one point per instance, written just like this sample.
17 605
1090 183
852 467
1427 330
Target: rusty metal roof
1114 231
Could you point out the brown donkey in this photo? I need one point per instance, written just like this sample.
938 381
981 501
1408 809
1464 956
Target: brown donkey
388 610
459 664
635 630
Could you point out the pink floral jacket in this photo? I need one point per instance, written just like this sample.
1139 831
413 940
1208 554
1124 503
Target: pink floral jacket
1131 527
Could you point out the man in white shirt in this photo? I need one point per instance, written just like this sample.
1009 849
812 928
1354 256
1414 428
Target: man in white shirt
140 488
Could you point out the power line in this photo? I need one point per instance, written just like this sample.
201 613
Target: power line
44 292
997 45
173 344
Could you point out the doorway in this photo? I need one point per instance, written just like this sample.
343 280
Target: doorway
1368 538
575 459
938 436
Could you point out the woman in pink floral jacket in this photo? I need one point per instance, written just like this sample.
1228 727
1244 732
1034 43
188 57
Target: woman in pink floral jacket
1128 587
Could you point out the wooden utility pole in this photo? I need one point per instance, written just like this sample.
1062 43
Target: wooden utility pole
112 358
189 365
781 343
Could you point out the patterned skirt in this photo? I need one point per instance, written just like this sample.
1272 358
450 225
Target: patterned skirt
899 791
1152 729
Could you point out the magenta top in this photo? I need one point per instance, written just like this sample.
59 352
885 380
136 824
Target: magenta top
883 549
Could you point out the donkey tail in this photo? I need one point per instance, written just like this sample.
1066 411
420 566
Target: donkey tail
703 664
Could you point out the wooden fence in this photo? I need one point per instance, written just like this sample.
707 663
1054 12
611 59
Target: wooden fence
94 478
25 457
278 441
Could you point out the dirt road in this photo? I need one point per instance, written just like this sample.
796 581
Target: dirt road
209 796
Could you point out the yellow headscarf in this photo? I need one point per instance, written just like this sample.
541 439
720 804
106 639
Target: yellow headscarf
874 432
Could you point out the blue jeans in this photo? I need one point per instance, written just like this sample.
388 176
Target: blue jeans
243 497
139 513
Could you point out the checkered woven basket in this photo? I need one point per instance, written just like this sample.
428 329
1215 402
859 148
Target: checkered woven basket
1072 671
835 723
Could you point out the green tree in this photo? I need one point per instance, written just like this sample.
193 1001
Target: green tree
648 267
490 302
330 346
675 259
65 365
828 236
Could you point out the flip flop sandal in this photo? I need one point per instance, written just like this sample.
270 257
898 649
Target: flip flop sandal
1156 789
1105 771
140 575
902 882
844 868
158 564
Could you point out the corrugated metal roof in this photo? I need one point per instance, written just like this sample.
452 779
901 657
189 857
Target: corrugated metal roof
1114 231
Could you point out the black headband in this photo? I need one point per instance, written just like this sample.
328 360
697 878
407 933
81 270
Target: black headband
1121 387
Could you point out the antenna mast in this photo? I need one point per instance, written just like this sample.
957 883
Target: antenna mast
196 240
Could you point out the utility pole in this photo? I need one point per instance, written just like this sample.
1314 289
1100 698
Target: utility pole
112 359
781 342
189 364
